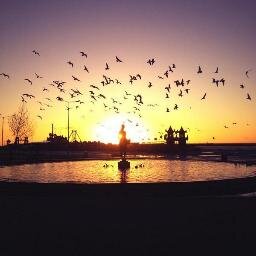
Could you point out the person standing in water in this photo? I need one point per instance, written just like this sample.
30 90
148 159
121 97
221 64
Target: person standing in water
123 142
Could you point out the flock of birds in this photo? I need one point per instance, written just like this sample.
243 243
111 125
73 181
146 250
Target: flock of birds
77 96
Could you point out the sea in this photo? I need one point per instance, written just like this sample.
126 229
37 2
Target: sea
143 169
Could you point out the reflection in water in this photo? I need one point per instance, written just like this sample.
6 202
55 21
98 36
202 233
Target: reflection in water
123 175
143 170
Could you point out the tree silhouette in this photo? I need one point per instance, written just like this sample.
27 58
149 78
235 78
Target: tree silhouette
20 124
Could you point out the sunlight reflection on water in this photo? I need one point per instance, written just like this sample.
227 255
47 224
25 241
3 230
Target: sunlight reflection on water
151 171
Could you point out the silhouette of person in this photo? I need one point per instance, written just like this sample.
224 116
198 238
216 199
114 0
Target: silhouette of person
122 142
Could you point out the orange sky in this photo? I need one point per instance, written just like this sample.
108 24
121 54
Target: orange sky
188 41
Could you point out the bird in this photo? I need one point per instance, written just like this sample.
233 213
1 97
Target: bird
168 88
217 70
199 70
83 54
226 127
160 77
59 98
86 69
107 66
45 89
139 76
37 76
149 85
167 96
222 81
71 63
241 86
167 110
5 75
188 81
76 79
180 94
203 98
118 60
117 81
40 117
248 97
95 87
246 73
186 90
28 95
36 52
151 61
176 107
26 79
166 73
23 100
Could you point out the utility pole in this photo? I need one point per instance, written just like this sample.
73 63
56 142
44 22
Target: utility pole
68 120
3 132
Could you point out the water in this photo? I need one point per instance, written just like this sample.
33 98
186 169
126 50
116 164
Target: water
160 170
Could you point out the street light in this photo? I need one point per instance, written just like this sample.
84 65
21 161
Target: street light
68 108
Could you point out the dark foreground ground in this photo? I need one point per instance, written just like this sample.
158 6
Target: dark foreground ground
70 220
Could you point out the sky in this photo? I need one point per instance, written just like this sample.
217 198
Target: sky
189 34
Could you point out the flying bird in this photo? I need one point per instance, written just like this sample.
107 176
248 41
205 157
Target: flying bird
83 54
36 52
5 75
246 73
241 86
248 97
217 70
107 66
76 79
37 76
199 70
40 117
118 60
26 79
86 69
71 63
203 98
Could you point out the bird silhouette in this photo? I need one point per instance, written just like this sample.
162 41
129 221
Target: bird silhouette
28 80
107 66
248 97
59 98
28 95
168 88
86 69
222 81
150 85
71 63
247 73
36 52
241 86
203 98
76 79
217 70
23 100
5 75
95 87
37 76
83 54
176 107
151 61
40 117
118 60
199 70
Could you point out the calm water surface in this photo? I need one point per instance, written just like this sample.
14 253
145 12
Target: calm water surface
152 171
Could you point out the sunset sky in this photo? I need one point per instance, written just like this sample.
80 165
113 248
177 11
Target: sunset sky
187 33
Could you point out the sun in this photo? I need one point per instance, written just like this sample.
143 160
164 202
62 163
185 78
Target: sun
107 131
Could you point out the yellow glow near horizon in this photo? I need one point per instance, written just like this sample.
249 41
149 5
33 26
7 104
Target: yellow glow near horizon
108 130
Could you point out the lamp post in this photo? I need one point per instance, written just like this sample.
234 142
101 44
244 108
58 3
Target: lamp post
2 131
